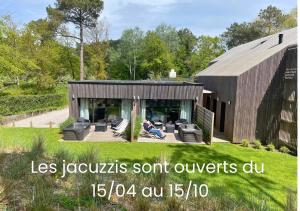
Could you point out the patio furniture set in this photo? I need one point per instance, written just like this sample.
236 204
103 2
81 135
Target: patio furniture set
81 128
187 132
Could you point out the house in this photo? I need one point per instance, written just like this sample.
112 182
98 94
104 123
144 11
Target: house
154 100
252 89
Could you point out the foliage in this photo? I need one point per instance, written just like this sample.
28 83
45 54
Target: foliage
83 14
129 52
128 132
257 144
284 149
269 20
32 54
206 49
169 36
157 61
291 19
238 34
271 147
137 127
66 123
187 44
30 103
245 143
206 134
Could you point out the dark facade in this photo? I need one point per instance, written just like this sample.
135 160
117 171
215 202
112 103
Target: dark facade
133 91
259 103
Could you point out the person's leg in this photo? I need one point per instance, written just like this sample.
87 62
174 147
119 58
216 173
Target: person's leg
156 132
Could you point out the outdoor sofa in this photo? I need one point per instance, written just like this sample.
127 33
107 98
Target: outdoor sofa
180 122
190 133
77 131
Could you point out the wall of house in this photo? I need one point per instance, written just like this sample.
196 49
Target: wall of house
288 123
225 91
259 100
125 91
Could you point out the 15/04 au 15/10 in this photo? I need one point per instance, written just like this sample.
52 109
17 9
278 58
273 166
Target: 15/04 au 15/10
172 190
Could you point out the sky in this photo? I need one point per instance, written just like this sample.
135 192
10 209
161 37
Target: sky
203 17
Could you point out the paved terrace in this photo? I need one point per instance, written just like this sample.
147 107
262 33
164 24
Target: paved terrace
58 116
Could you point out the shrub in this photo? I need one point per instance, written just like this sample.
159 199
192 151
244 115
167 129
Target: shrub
271 147
245 143
137 127
66 123
206 134
37 148
128 132
22 104
141 204
257 144
284 149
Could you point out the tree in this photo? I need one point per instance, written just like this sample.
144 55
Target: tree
83 14
238 34
130 49
271 19
291 19
187 43
97 51
268 21
169 35
157 61
207 49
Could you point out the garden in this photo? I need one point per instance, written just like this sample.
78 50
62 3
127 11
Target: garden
273 190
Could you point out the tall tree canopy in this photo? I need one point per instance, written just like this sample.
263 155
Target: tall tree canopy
157 61
268 21
207 49
187 44
83 14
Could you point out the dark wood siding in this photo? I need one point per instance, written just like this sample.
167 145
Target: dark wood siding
259 99
123 91
129 91
225 88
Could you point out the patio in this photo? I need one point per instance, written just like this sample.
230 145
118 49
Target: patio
106 136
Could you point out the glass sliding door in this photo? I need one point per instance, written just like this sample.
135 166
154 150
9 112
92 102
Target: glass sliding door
126 109
104 109
186 110
162 110
84 108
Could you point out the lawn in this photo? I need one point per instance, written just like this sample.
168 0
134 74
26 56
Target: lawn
280 169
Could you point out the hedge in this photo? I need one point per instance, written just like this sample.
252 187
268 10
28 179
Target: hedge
22 104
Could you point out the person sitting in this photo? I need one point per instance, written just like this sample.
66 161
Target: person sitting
149 127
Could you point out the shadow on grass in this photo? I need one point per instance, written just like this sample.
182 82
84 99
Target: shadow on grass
251 189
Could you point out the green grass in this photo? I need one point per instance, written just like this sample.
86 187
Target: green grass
280 169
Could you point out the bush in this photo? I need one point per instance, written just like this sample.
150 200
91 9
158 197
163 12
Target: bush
128 132
66 123
22 104
257 144
137 127
245 143
284 149
271 147
206 133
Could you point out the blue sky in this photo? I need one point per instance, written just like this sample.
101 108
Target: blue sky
209 17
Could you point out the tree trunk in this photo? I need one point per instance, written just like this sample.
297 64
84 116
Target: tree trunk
134 65
81 53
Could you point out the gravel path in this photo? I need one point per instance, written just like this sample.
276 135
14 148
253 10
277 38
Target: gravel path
43 120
